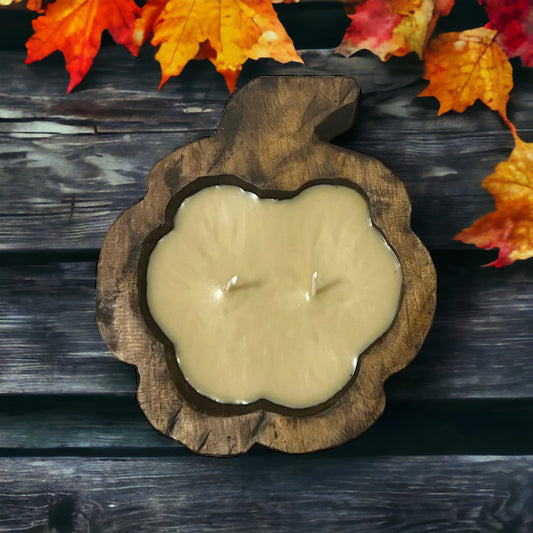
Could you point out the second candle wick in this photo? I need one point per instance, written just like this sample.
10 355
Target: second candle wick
231 283
314 279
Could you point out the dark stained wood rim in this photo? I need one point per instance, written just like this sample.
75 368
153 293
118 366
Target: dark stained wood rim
194 398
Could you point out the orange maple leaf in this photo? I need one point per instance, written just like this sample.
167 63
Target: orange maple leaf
510 227
75 28
144 24
464 66
36 5
227 32
391 27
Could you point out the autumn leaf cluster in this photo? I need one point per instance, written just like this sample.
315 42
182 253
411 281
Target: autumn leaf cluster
227 32
462 67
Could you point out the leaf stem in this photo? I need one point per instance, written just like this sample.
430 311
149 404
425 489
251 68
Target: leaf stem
510 125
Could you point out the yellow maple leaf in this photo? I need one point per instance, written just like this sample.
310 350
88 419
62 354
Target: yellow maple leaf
413 28
465 66
227 32
510 227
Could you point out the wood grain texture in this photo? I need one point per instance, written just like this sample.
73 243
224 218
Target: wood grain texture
479 345
73 164
274 142
65 191
268 492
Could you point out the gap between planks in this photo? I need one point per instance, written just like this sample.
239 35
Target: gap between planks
111 426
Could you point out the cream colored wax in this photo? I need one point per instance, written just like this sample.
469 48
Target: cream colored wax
272 299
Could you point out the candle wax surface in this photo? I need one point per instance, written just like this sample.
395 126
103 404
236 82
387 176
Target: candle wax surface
266 336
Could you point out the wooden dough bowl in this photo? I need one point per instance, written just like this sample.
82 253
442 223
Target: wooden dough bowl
272 139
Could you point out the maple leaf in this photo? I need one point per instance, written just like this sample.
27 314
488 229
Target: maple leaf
514 22
391 27
75 28
227 32
510 227
37 5
144 24
464 66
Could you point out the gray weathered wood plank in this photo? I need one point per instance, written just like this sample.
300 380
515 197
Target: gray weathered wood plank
64 180
120 93
479 345
267 492
64 192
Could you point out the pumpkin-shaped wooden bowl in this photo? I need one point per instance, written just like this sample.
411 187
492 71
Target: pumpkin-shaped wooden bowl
272 140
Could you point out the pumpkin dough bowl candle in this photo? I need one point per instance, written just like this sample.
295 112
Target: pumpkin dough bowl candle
268 283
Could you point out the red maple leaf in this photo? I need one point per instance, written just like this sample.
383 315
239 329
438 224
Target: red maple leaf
513 19
391 27
75 28
372 26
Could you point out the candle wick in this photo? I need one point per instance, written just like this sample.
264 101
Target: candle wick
314 279
231 283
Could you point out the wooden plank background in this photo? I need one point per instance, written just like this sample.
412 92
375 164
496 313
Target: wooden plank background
267 494
453 451
80 182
